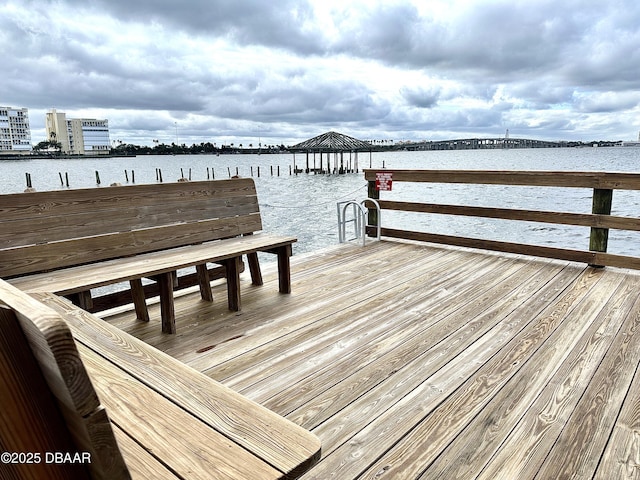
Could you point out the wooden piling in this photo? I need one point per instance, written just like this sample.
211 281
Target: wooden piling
372 192
29 184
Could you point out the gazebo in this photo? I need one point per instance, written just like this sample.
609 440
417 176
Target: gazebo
332 143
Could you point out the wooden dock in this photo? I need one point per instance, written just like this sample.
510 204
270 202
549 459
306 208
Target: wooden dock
419 361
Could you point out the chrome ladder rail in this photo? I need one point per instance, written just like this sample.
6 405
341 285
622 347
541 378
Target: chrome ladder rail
359 219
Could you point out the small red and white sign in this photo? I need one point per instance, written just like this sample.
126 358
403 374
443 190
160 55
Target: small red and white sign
384 181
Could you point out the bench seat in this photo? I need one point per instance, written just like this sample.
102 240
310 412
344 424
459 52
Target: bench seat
162 265
77 279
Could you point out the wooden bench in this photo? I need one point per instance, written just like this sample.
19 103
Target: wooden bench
72 241
165 420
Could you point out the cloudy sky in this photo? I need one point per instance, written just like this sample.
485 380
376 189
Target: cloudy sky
281 71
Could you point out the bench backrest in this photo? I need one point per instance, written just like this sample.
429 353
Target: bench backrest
48 403
42 231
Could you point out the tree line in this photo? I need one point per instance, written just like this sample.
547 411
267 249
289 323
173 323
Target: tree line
200 148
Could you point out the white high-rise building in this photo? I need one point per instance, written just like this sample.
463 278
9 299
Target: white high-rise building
78 136
15 133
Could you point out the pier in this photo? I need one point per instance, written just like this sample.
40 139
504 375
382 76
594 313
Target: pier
431 356
404 358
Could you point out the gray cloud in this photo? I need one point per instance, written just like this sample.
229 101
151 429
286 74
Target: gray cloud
284 24
420 97
234 68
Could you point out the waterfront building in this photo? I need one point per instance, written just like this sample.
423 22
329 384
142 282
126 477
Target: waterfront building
15 133
78 136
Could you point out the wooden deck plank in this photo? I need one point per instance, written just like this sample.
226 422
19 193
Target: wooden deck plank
459 364
621 458
388 306
594 417
193 343
483 437
407 331
307 304
437 345
475 375
536 433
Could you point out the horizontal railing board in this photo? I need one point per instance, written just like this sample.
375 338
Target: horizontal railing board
600 220
562 218
614 260
582 256
494 245
601 180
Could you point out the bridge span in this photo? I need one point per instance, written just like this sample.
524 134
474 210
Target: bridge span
482 143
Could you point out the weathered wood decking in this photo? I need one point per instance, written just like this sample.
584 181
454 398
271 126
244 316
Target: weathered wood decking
420 361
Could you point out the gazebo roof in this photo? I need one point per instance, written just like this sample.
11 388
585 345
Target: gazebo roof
332 142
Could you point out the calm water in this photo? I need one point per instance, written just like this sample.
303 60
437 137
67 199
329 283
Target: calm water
305 205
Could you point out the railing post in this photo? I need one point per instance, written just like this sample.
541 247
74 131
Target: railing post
602 199
372 192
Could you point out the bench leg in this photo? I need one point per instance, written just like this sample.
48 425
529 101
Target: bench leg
254 268
204 282
167 309
139 299
83 299
233 283
284 269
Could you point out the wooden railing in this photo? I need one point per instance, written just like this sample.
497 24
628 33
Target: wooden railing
599 220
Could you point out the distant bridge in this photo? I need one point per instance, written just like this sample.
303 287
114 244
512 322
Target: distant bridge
481 143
